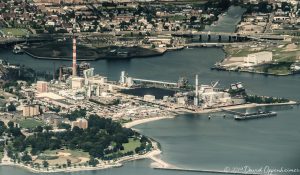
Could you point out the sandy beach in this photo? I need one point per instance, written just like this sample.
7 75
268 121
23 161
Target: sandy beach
146 120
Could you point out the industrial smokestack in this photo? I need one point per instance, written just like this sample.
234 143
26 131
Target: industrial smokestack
74 69
60 73
196 85
54 70
122 78
196 91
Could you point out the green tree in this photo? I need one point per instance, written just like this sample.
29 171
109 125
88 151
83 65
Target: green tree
11 107
93 162
69 163
45 164
64 126
26 158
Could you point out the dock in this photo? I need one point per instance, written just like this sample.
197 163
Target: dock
206 171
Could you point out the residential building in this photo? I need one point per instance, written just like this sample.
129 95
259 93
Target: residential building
31 110
81 123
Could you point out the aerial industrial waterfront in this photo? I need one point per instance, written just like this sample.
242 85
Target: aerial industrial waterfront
208 98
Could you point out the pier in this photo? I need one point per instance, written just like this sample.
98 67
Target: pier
206 171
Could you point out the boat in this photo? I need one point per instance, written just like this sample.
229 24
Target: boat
17 49
255 115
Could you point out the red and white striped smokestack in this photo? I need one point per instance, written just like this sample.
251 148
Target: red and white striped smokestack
74 58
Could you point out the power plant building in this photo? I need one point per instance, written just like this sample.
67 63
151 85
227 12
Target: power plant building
77 82
41 86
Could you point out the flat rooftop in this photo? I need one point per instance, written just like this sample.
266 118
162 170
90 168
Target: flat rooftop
50 95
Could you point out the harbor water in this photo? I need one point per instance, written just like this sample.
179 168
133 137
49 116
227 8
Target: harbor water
192 140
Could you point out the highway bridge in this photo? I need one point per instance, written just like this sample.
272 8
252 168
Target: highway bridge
256 36
232 36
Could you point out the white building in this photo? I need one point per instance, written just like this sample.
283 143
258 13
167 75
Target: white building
209 97
31 110
258 58
77 82
181 100
149 97
42 86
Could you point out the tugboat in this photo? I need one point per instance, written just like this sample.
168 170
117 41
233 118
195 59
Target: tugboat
255 115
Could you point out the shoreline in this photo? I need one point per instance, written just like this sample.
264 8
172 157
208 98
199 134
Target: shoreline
251 72
205 111
244 106
117 163
145 120
158 52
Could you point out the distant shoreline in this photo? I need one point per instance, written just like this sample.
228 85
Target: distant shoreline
149 53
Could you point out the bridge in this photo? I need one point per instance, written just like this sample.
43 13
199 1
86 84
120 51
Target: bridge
230 35
208 44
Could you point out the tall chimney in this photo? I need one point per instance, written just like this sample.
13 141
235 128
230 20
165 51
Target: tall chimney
60 73
74 69
196 91
54 70
196 85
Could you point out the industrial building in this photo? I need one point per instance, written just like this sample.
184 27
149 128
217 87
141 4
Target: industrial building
258 58
41 86
149 98
77 82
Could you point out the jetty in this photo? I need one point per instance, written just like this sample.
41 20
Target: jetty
206 171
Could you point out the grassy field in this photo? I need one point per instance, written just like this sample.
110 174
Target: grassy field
75 153
30 123
78 153
131 145
280 54
283 56
15 31
60 157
